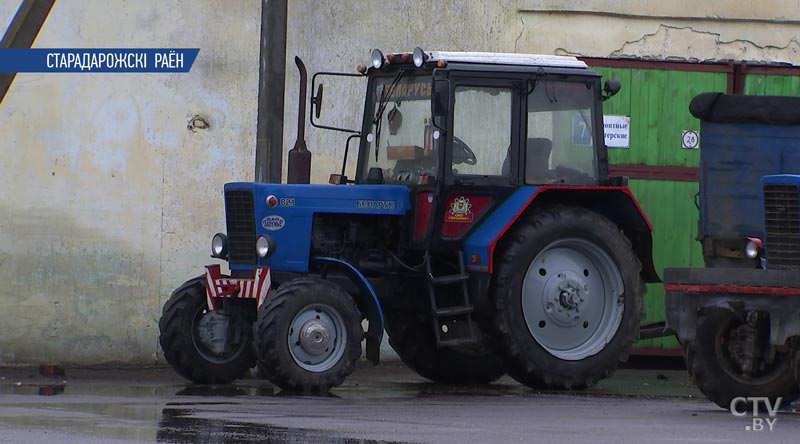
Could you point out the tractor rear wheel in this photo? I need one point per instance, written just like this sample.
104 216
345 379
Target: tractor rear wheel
308 336
202 345
411 336
568 295
731 358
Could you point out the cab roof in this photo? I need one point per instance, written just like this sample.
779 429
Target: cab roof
500 58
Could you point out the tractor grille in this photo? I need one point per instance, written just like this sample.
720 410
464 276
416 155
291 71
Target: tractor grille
241 227
782 226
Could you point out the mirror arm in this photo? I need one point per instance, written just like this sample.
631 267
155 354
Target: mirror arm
346 149
314 101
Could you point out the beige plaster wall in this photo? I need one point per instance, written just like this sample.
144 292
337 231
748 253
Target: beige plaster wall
107 201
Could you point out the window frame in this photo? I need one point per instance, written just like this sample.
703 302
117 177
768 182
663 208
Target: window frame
480 80
598 146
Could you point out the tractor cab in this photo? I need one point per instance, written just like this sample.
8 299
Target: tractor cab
464 130
481 118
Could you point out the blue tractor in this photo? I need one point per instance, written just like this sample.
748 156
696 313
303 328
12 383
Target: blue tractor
739 319
480 231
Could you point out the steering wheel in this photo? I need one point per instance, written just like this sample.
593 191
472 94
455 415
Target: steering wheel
462 153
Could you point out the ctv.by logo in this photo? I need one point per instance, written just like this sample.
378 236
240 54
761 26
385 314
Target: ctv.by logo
740 406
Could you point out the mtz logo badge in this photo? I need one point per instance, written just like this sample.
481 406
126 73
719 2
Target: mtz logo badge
460 210
273 223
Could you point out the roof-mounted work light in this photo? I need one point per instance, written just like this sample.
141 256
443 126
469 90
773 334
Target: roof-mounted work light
419 57
377 59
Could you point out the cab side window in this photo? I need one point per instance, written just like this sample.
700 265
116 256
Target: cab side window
559 148
481 130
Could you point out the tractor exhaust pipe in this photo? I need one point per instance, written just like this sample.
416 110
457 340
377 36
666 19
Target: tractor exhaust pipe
300 156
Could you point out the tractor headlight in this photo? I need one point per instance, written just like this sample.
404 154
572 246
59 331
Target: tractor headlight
377 59
219 246
751 250
419 57
265 246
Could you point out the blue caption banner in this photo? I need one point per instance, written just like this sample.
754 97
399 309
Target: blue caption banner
173 60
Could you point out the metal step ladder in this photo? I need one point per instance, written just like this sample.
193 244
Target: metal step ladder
453 325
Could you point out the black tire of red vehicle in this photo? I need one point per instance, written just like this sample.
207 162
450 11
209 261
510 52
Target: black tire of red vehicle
182 349
714 373
526 359
411 336
797 366
289 305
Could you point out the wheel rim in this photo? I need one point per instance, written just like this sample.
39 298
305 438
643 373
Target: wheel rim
317 338
726 342
572 298
215 339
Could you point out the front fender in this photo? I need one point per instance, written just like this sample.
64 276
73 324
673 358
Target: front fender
366 300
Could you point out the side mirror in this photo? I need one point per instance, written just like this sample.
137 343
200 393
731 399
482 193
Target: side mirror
610 88
316 101
439 99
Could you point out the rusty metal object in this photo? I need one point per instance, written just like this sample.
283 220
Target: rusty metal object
300 156
746 343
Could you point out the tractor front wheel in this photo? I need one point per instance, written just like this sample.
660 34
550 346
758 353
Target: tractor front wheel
202 345
568 296
732 357
308 336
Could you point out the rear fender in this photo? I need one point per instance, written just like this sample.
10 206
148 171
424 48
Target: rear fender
617 203
367 301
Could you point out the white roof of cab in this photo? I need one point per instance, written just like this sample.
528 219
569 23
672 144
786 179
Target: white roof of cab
508 59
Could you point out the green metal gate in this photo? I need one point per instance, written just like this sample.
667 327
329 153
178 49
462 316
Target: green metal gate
771 81
663 175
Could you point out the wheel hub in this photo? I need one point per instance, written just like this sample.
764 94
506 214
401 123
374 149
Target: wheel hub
315 336
219 333
565 295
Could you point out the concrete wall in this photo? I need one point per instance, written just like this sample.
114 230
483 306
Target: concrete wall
753 30
107 200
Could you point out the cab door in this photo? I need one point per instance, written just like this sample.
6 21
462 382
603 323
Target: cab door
482 151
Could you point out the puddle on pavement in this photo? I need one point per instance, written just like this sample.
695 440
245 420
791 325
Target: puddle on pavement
178 426
32 389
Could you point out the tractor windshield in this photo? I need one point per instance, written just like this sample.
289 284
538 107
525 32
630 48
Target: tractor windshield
400 135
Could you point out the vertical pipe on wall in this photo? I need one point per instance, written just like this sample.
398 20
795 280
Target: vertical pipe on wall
271 87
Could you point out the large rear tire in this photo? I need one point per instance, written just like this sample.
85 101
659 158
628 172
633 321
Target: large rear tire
567 293
204 346
411 336
308 336
717 357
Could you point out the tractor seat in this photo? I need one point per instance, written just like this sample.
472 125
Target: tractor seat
537 159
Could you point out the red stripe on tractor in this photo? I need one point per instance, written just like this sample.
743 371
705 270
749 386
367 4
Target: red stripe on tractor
737 289
544 188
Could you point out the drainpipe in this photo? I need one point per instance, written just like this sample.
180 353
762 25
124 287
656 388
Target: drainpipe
271 79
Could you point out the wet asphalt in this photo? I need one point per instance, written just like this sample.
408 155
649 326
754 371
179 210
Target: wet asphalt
653 403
